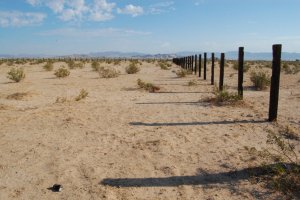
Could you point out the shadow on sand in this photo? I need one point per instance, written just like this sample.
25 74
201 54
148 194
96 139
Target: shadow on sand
198 123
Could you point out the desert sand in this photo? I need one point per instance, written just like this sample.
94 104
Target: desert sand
125 143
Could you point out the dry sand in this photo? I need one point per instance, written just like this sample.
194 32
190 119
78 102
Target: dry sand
168 144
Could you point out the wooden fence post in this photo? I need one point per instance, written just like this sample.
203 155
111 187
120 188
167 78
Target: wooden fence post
196 60
275 80
221 81
204 69
200 62
192 64
212 69
241 72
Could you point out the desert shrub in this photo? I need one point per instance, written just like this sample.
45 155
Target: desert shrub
225 96
132 68
82 95
261 79
16 74
48 66
236 66
147 86
182 73
62 72
71 64
284 174
95 65
192 83
117 61
79 65
108 72
290 70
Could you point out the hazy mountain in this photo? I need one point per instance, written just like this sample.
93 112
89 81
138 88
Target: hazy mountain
116 54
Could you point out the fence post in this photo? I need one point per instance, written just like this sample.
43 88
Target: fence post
275 80
205 58
200 62
192 64
241 72
212 68
196 64
221 81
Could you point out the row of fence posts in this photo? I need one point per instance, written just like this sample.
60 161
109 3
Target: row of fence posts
194 64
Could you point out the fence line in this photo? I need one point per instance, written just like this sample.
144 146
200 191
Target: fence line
190 63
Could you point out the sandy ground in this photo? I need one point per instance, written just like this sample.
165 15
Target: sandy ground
124 143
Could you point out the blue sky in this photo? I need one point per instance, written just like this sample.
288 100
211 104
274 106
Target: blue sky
60 27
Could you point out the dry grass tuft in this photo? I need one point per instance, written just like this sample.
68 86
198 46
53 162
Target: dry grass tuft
147 86
82 95
108 72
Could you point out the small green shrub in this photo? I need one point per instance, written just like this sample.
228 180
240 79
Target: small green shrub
261 79
82 95
108 72
62 72
132 68
16 74
225 96
147 86
48 66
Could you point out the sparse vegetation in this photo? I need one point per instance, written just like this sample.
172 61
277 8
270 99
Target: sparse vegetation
82 95
95 65
245 69
284 174
16 74
105 72
48 66
164 65
62 72
182 73
260 79
192 83
132 68
147 86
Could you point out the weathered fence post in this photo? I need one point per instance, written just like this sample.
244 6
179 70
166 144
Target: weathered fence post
196 64
204 69
200 62
275 80
212 68
192 64
221 81
241 72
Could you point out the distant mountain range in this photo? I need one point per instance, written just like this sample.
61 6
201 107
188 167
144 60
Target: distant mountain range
232 55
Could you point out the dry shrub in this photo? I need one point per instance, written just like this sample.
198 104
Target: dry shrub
95 66
284 174
147 86
260 79
192 83
16 74
105 72
48 66
132 68
223 97
62 72
182 73
82 95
